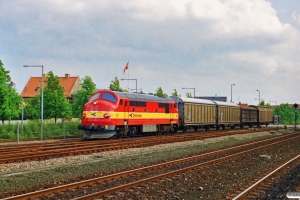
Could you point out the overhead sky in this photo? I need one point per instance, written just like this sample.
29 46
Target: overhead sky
207 45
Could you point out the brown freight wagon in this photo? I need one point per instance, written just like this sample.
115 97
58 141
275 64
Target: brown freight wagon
206 114
249 116
265 115
228 115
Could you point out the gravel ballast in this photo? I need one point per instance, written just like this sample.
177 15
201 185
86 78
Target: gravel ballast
47 173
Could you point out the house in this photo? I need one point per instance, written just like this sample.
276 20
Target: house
71 84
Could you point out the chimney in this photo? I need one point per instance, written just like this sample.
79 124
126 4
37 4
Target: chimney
67 76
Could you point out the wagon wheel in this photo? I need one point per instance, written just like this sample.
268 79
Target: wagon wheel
185 129
195 128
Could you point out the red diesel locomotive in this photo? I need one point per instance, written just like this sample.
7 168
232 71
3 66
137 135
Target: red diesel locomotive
116 114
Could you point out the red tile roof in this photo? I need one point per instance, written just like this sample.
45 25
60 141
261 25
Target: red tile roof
69 83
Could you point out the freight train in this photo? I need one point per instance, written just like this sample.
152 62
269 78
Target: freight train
119 114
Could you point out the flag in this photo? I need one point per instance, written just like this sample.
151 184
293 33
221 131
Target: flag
126 67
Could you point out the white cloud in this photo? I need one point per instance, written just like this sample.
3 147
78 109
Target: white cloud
169 43
296 17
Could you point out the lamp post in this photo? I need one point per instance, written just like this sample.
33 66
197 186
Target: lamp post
135 89
131 79
42 106
231 92
258 96
274 101
191 88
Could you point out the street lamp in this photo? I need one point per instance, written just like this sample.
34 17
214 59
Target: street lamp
258 96
274 101
131 79
191 88
42 106
231 92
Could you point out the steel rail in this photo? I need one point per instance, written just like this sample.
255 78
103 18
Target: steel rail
265 178
54 150
174 162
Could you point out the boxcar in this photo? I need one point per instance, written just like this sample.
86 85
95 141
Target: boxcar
249 116
228 115
206 114
264 115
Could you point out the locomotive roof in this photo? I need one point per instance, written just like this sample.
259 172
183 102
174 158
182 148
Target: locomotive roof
202 101
143 97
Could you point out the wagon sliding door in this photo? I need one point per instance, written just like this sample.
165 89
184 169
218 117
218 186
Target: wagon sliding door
199 114
229 115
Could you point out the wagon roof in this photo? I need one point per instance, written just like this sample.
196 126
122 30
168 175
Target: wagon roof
192 100
203 101
247 108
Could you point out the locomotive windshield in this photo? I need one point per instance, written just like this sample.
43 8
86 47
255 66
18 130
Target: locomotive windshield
109 97
94 97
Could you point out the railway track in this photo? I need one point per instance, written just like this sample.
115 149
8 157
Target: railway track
114 183
265 187
40 151
8 141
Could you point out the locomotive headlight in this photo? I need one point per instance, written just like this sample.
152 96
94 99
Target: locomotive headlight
83 115
95 102
106 115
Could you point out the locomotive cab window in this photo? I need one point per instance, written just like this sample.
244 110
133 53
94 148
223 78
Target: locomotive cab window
109 97
165 106
94 97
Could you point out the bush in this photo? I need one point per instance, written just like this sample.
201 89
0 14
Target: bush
32 129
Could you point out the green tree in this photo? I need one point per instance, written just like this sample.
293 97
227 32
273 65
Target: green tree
32 108
56 104
188 95
82 96
10 101
175 93
160 93
115 85
263 103
287 113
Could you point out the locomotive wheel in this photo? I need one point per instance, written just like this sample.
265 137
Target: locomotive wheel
175 129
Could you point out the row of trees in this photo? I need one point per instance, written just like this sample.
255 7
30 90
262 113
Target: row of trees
56 105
